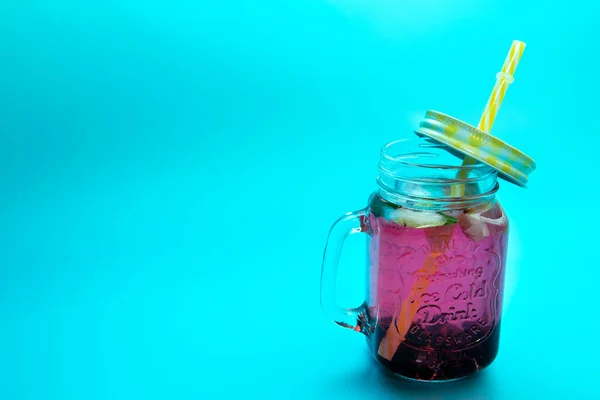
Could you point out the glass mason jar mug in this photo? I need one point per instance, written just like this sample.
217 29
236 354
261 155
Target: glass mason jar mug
437 252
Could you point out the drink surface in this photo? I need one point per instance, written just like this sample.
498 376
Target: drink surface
435 288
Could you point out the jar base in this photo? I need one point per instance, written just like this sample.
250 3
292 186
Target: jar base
435 380
422 365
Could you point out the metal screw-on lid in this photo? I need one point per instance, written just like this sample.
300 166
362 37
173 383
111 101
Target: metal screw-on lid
508 161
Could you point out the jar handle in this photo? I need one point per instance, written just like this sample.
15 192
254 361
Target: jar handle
352 318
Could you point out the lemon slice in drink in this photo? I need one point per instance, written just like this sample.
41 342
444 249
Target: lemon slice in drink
419 219
476 226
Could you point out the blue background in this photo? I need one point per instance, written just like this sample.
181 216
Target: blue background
170 169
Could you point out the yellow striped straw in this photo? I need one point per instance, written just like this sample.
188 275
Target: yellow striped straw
401 323
503 79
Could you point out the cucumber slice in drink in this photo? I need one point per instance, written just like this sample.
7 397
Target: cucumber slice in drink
419 219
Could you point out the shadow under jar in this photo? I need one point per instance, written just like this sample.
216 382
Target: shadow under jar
437 252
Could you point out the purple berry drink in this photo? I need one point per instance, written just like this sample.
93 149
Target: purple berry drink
435 290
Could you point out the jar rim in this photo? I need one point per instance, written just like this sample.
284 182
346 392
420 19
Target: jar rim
421 170
426 147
